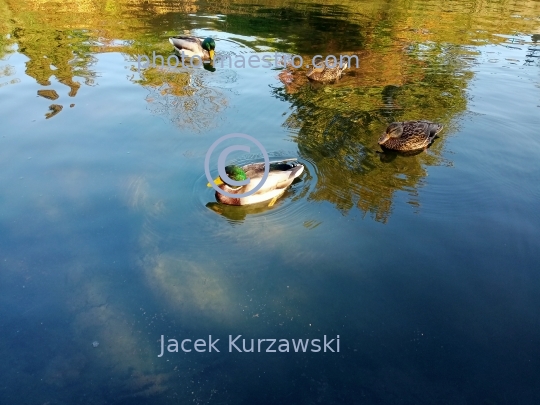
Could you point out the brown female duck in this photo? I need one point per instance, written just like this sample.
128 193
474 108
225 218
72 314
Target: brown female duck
323 73
409 135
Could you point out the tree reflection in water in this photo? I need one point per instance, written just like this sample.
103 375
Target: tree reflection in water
337 126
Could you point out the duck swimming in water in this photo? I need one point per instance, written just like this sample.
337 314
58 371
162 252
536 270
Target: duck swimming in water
409 135
193 46
280 176
324 74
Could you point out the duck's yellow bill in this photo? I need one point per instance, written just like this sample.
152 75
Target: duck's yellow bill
211 54
217 181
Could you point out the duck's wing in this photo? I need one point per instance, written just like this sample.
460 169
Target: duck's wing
420 129
277 180
430 129
257 169
188 43
434 128
281 175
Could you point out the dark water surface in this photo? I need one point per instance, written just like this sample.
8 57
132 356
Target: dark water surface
426 266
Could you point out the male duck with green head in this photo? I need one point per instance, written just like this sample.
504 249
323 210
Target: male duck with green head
280 176
193 46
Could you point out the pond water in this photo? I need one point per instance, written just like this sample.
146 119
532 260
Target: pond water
425 266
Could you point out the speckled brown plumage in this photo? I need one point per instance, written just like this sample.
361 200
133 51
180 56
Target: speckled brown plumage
409 135
326 74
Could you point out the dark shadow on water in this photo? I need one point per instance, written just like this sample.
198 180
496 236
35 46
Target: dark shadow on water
237 214
209 67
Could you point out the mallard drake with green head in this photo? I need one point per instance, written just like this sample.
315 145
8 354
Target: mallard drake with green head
280 176
323 73
409 135
193 46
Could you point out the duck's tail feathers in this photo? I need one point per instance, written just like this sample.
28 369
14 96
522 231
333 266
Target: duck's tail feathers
289 165
297 170
434 129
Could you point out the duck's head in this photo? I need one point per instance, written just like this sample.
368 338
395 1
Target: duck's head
394 130
209 45
234 172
